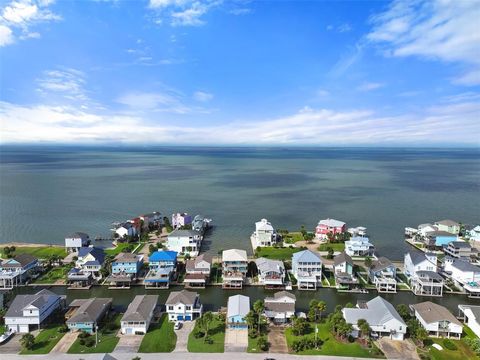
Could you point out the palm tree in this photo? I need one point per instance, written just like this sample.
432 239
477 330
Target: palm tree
364 327
321 306
250 319
207 318
259 307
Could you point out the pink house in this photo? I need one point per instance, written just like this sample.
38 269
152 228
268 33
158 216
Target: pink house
329 226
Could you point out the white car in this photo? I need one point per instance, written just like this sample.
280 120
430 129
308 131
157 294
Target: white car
177 325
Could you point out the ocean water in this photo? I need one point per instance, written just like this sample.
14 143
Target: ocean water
49 192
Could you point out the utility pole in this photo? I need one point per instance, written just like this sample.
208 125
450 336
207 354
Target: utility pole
96 335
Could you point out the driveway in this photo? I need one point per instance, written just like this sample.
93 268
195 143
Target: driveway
277 340
12 346
128 343
182 336
394 349
65 342
236 340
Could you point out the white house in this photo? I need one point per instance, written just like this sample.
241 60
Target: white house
449 226
281 307
382 317
234 268
343 270
76 240
437 320
421 271
264 235
474 234
359 246
139 314
187 242
271 273
416 261
183 306
471 316
126 229
463 274
307 269
28 312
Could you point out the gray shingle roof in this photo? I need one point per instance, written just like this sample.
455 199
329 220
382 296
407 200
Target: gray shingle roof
380 264
22 301
448 222
22 259
431 312
306 256
417 257
184 297
90 310
178 232
267 265
341 258
460 244
376 311
464 265
140 308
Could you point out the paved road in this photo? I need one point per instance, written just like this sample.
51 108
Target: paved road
177 356
182 336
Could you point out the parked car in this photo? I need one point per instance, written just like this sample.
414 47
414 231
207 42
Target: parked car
177 325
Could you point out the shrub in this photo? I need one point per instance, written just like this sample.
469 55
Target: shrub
199 334
81 341
89 342
263 343
83 335
63 329
447 343
209 340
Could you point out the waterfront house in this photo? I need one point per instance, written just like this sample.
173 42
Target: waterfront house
79 279
449 226
186 242
90 259
198 271
383 319
281 307
359 246
421 272
139 314
437 320
17 270
86 314
343 271
357 231
264 235
271 273
474 234
329 226
125 268
471 317
424 229
307 269
460 250
200 223
183 306
152 220
75 241
234 268
28 312
180 220
237 309
126 229
439 238
463 274
383 274
162 266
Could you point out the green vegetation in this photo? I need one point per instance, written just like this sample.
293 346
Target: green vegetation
107 339
334 246
449 352
45 341
284 253
121 247
162 330
258 344
53 275
329 344
292 237
257 328
216 337
139 248
41 252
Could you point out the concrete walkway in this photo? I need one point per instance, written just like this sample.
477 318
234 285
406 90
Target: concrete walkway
236 340
65 342
12 346
277 340
182 336
128 343
394 349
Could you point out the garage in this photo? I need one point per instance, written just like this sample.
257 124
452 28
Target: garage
180 317
188 317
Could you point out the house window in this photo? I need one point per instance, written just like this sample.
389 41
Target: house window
170 307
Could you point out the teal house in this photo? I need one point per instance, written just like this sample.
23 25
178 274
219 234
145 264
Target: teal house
237 309
85 314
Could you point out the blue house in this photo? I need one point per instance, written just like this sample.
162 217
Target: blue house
162 266
237 308
127 263
16 271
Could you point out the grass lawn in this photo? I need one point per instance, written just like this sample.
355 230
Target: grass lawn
277 253
107 340
334 246
54 274
252 345
163 330
41 252
45 341
139 248
292 237
331 346
119 248
463 351
216 333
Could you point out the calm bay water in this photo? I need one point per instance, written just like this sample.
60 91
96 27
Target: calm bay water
49 192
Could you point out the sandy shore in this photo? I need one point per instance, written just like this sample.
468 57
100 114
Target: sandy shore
20 244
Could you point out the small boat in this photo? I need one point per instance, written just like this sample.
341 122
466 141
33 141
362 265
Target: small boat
5 336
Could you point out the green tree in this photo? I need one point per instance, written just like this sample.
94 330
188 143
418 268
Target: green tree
364 328
312 310
299 326
251 319
262 343
321 307
207 318
403 311
421 335
368 262
27 341
259 307
344 329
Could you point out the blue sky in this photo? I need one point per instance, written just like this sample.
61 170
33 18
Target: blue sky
240 72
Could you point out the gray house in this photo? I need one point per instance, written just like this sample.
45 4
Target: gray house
383 274
139 314
85 314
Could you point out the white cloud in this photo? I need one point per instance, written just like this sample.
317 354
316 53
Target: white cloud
202 96
182 12
66 83
441 30
240 11
17 17
344 28
169 102
369 86
449 122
